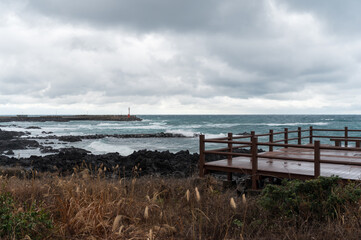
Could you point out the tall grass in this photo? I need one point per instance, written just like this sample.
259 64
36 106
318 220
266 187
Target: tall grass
85 206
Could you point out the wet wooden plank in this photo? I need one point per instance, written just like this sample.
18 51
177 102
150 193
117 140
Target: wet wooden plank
299 169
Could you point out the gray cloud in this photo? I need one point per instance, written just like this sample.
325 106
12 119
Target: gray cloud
338 16
186 56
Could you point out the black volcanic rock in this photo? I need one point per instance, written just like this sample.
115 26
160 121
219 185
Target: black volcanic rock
244 133
33 127
70 138
48 149
139 163
43 132
7 135
10 152
73 151
17 144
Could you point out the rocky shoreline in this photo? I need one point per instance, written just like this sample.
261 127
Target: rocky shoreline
139 163
13 140
67 160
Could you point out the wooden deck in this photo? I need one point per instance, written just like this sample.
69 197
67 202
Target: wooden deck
305 159
294 169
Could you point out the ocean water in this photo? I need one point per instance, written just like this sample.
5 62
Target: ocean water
188 125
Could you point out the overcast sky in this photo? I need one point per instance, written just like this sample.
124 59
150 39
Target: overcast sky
180 57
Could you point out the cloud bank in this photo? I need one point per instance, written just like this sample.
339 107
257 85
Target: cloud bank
179 57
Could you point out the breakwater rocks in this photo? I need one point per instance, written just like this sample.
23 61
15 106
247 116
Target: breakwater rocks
25 118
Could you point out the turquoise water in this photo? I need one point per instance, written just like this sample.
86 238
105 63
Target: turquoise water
188 125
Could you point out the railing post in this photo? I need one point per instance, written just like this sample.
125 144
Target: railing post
346 136
286 137
299 142
271 140
201 155
254 152
317 159
252 134
311 135
230 145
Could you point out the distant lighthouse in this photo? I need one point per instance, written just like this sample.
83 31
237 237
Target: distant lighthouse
128 112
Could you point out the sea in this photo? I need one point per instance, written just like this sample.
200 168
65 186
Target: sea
191 126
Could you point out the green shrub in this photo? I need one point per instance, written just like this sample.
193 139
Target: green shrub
17 223
321 198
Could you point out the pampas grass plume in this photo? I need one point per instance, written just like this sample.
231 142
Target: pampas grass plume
233 203
150 234
116 222
198 196
244 200
146 212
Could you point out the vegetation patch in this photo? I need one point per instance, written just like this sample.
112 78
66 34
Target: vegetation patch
319 199
17 222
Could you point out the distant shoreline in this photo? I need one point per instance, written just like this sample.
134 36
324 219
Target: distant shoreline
67 118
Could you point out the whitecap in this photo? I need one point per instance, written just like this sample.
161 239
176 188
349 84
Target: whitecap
222 125
108 124
183 132
100 147
220 135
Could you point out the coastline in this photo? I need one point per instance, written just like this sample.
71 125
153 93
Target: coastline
67 118
65 160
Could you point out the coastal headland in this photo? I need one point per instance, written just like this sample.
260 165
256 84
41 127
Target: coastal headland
67 118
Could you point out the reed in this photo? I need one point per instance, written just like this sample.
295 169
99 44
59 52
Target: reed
85 206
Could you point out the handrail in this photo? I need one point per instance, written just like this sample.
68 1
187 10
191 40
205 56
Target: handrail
226 153
225 149
336 130
311 136
242 136
316 136
224 141
346 139
262 135
328 130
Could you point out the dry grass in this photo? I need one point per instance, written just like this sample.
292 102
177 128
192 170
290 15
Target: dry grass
91 207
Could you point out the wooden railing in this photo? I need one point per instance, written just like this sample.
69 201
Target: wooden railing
237 142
